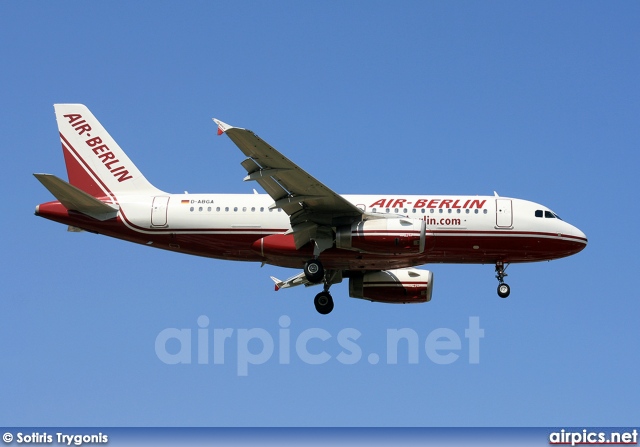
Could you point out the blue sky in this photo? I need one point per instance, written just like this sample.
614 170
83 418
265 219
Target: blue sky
536 100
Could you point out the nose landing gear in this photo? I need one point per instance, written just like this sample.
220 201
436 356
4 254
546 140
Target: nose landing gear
503 288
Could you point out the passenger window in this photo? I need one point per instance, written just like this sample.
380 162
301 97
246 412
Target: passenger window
209 208
538 213
441 211
191 209
404 211
200 209
467 211
387 210
423 211
253 208
432 211
449 211
395 210
217 208
484 211
262 209
226 208
475 211
414 211
244 209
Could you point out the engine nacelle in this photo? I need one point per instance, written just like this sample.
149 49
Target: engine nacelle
392 286
383 236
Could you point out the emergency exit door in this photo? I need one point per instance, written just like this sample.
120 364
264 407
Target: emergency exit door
159 211
504 215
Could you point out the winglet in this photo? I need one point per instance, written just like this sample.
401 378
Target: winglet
277 281
222 127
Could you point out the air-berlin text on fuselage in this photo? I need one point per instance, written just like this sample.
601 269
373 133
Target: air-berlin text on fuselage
429 203
103 152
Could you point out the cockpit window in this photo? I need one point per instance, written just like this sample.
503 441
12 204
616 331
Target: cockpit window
551 215
547 214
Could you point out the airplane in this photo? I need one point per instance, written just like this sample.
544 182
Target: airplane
374 241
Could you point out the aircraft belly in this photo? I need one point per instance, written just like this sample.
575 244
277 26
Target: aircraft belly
512 247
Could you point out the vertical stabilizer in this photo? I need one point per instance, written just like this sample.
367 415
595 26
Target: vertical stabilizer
95 163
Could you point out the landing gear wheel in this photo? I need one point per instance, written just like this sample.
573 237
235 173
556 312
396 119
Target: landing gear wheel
323 303
504 290
313 271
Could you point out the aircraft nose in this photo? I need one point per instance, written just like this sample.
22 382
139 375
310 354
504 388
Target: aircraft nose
578 237
577 233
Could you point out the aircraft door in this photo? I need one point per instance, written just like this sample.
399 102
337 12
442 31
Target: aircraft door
504 215
159 211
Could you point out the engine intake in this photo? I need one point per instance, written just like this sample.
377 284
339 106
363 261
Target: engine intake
392 286
383 236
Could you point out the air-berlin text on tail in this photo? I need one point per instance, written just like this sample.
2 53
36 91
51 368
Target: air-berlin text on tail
428 203
103 152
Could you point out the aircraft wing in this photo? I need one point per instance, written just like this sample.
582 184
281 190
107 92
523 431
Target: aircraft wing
301 280
296 280
304 198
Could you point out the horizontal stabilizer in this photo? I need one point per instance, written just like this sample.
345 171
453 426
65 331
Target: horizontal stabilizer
75 199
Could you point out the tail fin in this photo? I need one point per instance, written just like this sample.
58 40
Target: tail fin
95 162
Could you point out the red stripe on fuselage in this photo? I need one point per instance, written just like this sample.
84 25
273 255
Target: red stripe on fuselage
506 233
236 244
451 246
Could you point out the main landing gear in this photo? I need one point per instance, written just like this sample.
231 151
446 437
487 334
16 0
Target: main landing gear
314 272
323 302
503 288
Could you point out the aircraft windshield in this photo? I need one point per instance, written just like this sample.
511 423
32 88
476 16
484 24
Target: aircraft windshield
547 214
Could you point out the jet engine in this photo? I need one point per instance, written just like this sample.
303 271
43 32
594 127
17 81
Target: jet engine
383 236
392 286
